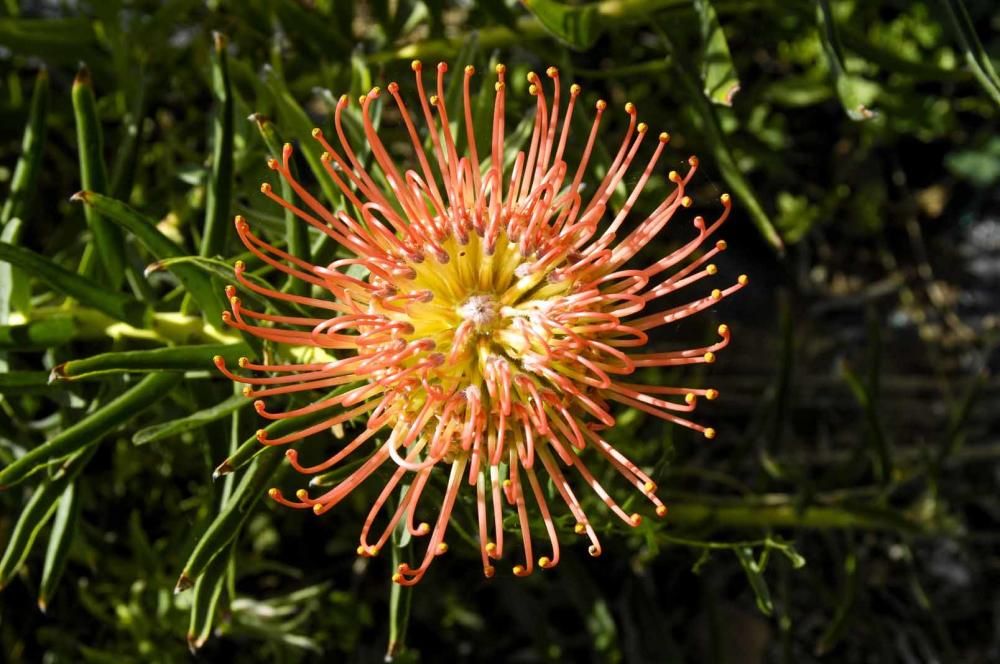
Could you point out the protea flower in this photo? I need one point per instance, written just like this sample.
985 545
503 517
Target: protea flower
495 330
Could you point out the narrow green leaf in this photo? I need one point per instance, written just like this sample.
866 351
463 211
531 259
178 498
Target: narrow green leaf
109 257
296 230
755 575
234 513
576 26
90 430
205 604
856 93
193 421
22 185
252 447
975 55
175 358
63 531
718 73
15 289
37 513
197 282
65 40
38 335
836 629
82 289
20 382
703 115
296 121
220 186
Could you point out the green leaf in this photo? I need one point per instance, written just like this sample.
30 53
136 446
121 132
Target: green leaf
22 185
704 116
20 382
37 513
207 592
855 92
38 335
296 230
91 429
252 447
718 73
193 421
64 40
836 629
576 26
233 515
63 531
220 186
109 258
197 282
975 55
15 289
78 287
177 358
755 575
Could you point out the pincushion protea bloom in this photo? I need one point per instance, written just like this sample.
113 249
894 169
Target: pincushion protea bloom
496 326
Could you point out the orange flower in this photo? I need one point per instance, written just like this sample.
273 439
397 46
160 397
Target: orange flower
495 326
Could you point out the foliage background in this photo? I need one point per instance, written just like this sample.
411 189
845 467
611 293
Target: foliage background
857 423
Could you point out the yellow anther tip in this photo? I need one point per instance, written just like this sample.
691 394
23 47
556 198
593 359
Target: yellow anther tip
725 198
716 294
518 570
601 104
397 577
273 493
360 550
664 137
723 330
689 398
544 561
217 359
636 519
661 511
574 89
551 72
501 68
629 107
642 128
489 571
533 89
317 509
709 433
648 487
743 279
442 548
721 245
709 357
469 69
301 494
416 65
433 100
593 551
491 547
711 268
687 201
579 528
711 394
265 188
506 484
316 131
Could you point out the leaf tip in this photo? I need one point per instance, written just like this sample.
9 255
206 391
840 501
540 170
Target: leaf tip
80 196
224 469
220 40
58 373
82 75
183 583
42 605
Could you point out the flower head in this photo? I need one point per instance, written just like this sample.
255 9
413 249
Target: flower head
486 323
